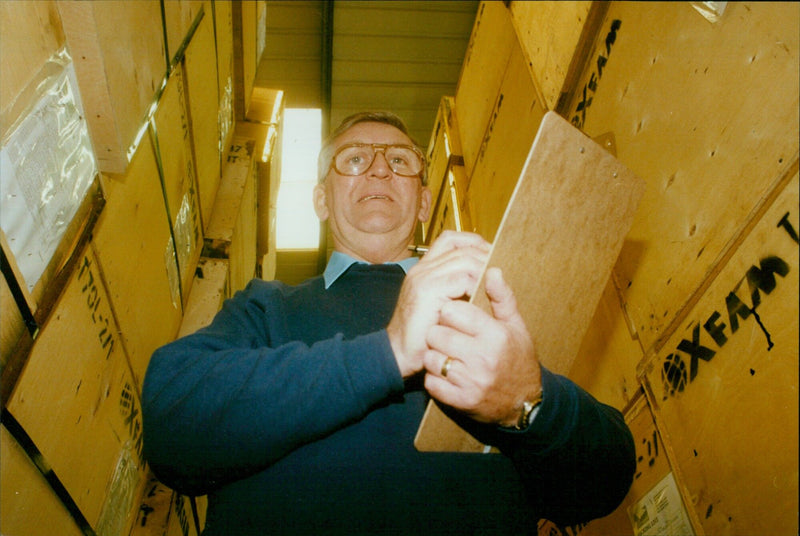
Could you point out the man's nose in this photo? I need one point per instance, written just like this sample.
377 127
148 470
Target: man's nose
379 167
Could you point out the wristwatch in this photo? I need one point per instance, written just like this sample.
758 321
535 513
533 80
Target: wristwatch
527 410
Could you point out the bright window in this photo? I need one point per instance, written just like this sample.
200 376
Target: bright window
297 225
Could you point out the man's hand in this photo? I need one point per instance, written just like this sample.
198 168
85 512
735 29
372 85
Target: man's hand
493 366
450 270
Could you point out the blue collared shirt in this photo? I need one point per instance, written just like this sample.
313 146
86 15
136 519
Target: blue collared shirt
340 262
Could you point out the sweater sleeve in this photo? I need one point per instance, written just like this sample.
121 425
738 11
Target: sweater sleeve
576 460
231 399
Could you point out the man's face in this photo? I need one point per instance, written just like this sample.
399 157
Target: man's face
374 214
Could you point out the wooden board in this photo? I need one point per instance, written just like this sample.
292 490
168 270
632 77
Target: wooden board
131 240
179 180
179 15
209 290
77 401
508 136
27 503
444 149
724 387
120 61
223 24
553 36
32 33
557 244
490 45
202 100
709 152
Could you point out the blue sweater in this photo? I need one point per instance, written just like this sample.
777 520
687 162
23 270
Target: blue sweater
289 411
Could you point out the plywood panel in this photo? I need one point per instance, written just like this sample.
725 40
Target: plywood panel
133 246
32 33
724 388
120 60
27 503
490 45
179 15
707 114
566 223
77 396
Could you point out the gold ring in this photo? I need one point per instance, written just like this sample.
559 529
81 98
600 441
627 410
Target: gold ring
446 366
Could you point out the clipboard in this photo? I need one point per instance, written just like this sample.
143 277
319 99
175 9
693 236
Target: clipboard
557 243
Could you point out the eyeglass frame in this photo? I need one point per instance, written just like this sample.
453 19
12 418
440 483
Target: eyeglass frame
375 148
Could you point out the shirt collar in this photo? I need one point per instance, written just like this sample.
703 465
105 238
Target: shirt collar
340 262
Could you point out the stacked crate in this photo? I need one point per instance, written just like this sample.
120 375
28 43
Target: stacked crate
154 84
696 336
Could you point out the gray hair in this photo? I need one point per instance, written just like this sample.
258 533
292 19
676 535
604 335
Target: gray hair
388 118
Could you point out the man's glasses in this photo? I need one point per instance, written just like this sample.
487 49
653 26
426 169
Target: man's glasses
356 158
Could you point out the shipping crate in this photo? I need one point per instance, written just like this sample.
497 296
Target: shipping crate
120 61
173 150
705 112
511 129
164 512
209 290
490 45
79 404
232 232
32 34
135 250
223 24
202 100
249 23
451 211
556 38
444 150
724 387
180 20
28 505
654 504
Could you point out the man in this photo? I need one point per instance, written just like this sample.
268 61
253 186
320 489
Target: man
296 409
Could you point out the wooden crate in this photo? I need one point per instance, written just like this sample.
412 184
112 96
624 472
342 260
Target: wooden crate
79 404
178 177
444 150
209 290
249 21
488 50
202 100
120 60
32 34
164 512
556 38
223 24
512 127
707 114
133 246
724 387
179 18
653 466
232 232
28 504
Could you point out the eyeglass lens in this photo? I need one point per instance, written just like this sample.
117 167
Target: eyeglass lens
356 159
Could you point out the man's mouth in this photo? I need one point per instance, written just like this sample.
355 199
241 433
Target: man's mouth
373 197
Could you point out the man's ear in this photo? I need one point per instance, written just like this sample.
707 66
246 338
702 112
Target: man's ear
425 201
320 205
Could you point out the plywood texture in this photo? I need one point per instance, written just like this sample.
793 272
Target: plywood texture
120 62
202 100
132 240
31 34
707 114
508 136
77 396
553 36
179 181
179 15
557 244
27 503
209 290
490 45
724 388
